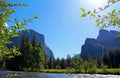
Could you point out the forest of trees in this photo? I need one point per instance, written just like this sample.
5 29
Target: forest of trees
30 56
6 32
112 58
34 58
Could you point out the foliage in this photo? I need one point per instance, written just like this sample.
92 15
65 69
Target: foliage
104 68
111 58
63 63
99 71
90 66
11 75
32 56
58 67
85 66
109 71
69 70
107 20
57 71
6 32
50 62
77 63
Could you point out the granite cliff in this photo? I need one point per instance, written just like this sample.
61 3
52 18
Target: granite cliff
105 41
39 39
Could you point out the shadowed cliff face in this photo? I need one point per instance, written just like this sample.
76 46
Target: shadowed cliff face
105 35
105 41
39 39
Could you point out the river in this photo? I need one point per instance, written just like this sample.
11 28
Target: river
55 75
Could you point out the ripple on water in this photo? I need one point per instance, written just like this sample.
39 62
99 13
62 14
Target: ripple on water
95 76
57 75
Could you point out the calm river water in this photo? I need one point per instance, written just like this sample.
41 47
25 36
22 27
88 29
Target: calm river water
56 75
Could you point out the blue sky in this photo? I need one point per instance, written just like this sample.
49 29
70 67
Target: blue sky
59 20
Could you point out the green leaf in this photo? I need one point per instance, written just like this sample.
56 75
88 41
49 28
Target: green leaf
103 25
12 11
84 15
113 1
82 9
97 20
93 15
21 26
35 16
113 12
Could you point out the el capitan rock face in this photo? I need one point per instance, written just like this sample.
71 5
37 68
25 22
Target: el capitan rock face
39 39
105 41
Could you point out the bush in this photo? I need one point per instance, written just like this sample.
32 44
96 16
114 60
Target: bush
93 69
69 70
90 66
85 66
58 67
104 68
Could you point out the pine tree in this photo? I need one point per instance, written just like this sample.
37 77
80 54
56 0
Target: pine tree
26 51
39 57
28 54
50 63
34 43
46 60
68 60
7 32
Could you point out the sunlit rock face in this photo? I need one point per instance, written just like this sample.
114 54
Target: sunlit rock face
105 41
39 39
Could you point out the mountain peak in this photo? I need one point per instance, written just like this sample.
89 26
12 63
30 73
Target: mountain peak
105 41
105 35
39 39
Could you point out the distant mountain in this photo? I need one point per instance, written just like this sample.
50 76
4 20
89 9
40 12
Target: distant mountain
39 39
105 41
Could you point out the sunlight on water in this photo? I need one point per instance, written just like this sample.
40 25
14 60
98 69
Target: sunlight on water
57 75
95 76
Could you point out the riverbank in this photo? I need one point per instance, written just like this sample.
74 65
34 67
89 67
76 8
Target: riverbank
112 71
52 75
115 71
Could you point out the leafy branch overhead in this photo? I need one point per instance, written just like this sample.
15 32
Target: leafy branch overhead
111 19
8 31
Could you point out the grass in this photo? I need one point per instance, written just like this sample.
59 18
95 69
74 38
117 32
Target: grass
109 71
99 71
57 71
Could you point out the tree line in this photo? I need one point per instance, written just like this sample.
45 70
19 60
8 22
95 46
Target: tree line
34 58
109 59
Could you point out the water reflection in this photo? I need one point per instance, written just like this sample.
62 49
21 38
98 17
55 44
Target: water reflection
56 75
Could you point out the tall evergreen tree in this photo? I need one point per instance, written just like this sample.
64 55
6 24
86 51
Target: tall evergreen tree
63 63
39 57
34 43
68 61
46 60
50 63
